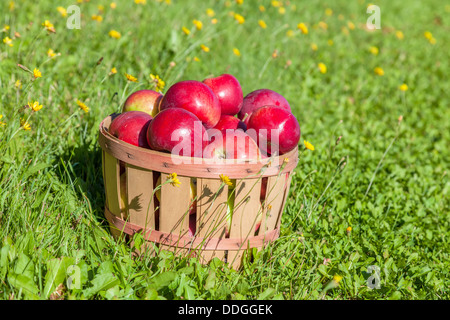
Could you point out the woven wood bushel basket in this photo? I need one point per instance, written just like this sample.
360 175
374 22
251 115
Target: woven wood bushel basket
135 203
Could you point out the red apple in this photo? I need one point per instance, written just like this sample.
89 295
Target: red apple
230 122
260 98
131 127
143 100
277 130
178 131
228 89
231 144
196 97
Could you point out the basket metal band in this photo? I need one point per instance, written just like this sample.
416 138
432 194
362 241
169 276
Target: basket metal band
187 242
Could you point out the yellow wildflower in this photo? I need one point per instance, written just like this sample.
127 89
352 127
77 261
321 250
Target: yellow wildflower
428 35
276 3
204 48
2 124
97 18
214 21
282 10
210 12
328 12
101 8
236 52
24 124
173 179
262 8
323 25
5 28
432 40
337 278
403 87
351 25
8 41
196 59
374 50
314 47
62 11
239 2
225 179
290 33
49 26
18 84
378 71
34 105
262 24
186 30
322 67
239 18
113 5
113 70
399 35
83 106
159 83
140 1
198 24
308 145
130 77
114 34
51 53
349 229
303 28
37 73
330 42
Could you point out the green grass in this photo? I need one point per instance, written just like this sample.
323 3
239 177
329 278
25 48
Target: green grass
393 190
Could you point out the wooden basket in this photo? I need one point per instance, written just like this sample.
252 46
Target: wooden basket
259 190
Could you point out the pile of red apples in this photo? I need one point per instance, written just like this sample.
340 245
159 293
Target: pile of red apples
209 119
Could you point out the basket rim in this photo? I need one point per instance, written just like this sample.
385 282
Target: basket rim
189 166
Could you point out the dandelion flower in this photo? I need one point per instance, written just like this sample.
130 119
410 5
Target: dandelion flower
25 125
204 48
198 24
428 35
337 278
113 5
290 33
97 18
330 42
399 35
323 25
378 71
2 124
34 105
314 47
114 34
186 30
262 24
275 3
239 2
322 67
225 179
214 21
281 10
432 40
130 77
403 87
351 25
308 145
8 41
196 59
236 52
18 84
62 11
49 26
349 229
328 12
83 106
5 28
37 73
303 28
140 1
159 83
239 18
262 8
113 70
374 50
51 53
173 179
210 12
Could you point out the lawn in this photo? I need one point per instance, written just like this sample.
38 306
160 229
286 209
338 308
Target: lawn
367 215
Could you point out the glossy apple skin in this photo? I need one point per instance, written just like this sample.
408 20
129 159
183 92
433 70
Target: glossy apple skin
177 127
143 100
131 127
274 118
231 144
230 122
260 98
196 97
229 92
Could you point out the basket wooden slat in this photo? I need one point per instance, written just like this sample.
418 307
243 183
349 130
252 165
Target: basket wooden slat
164 223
